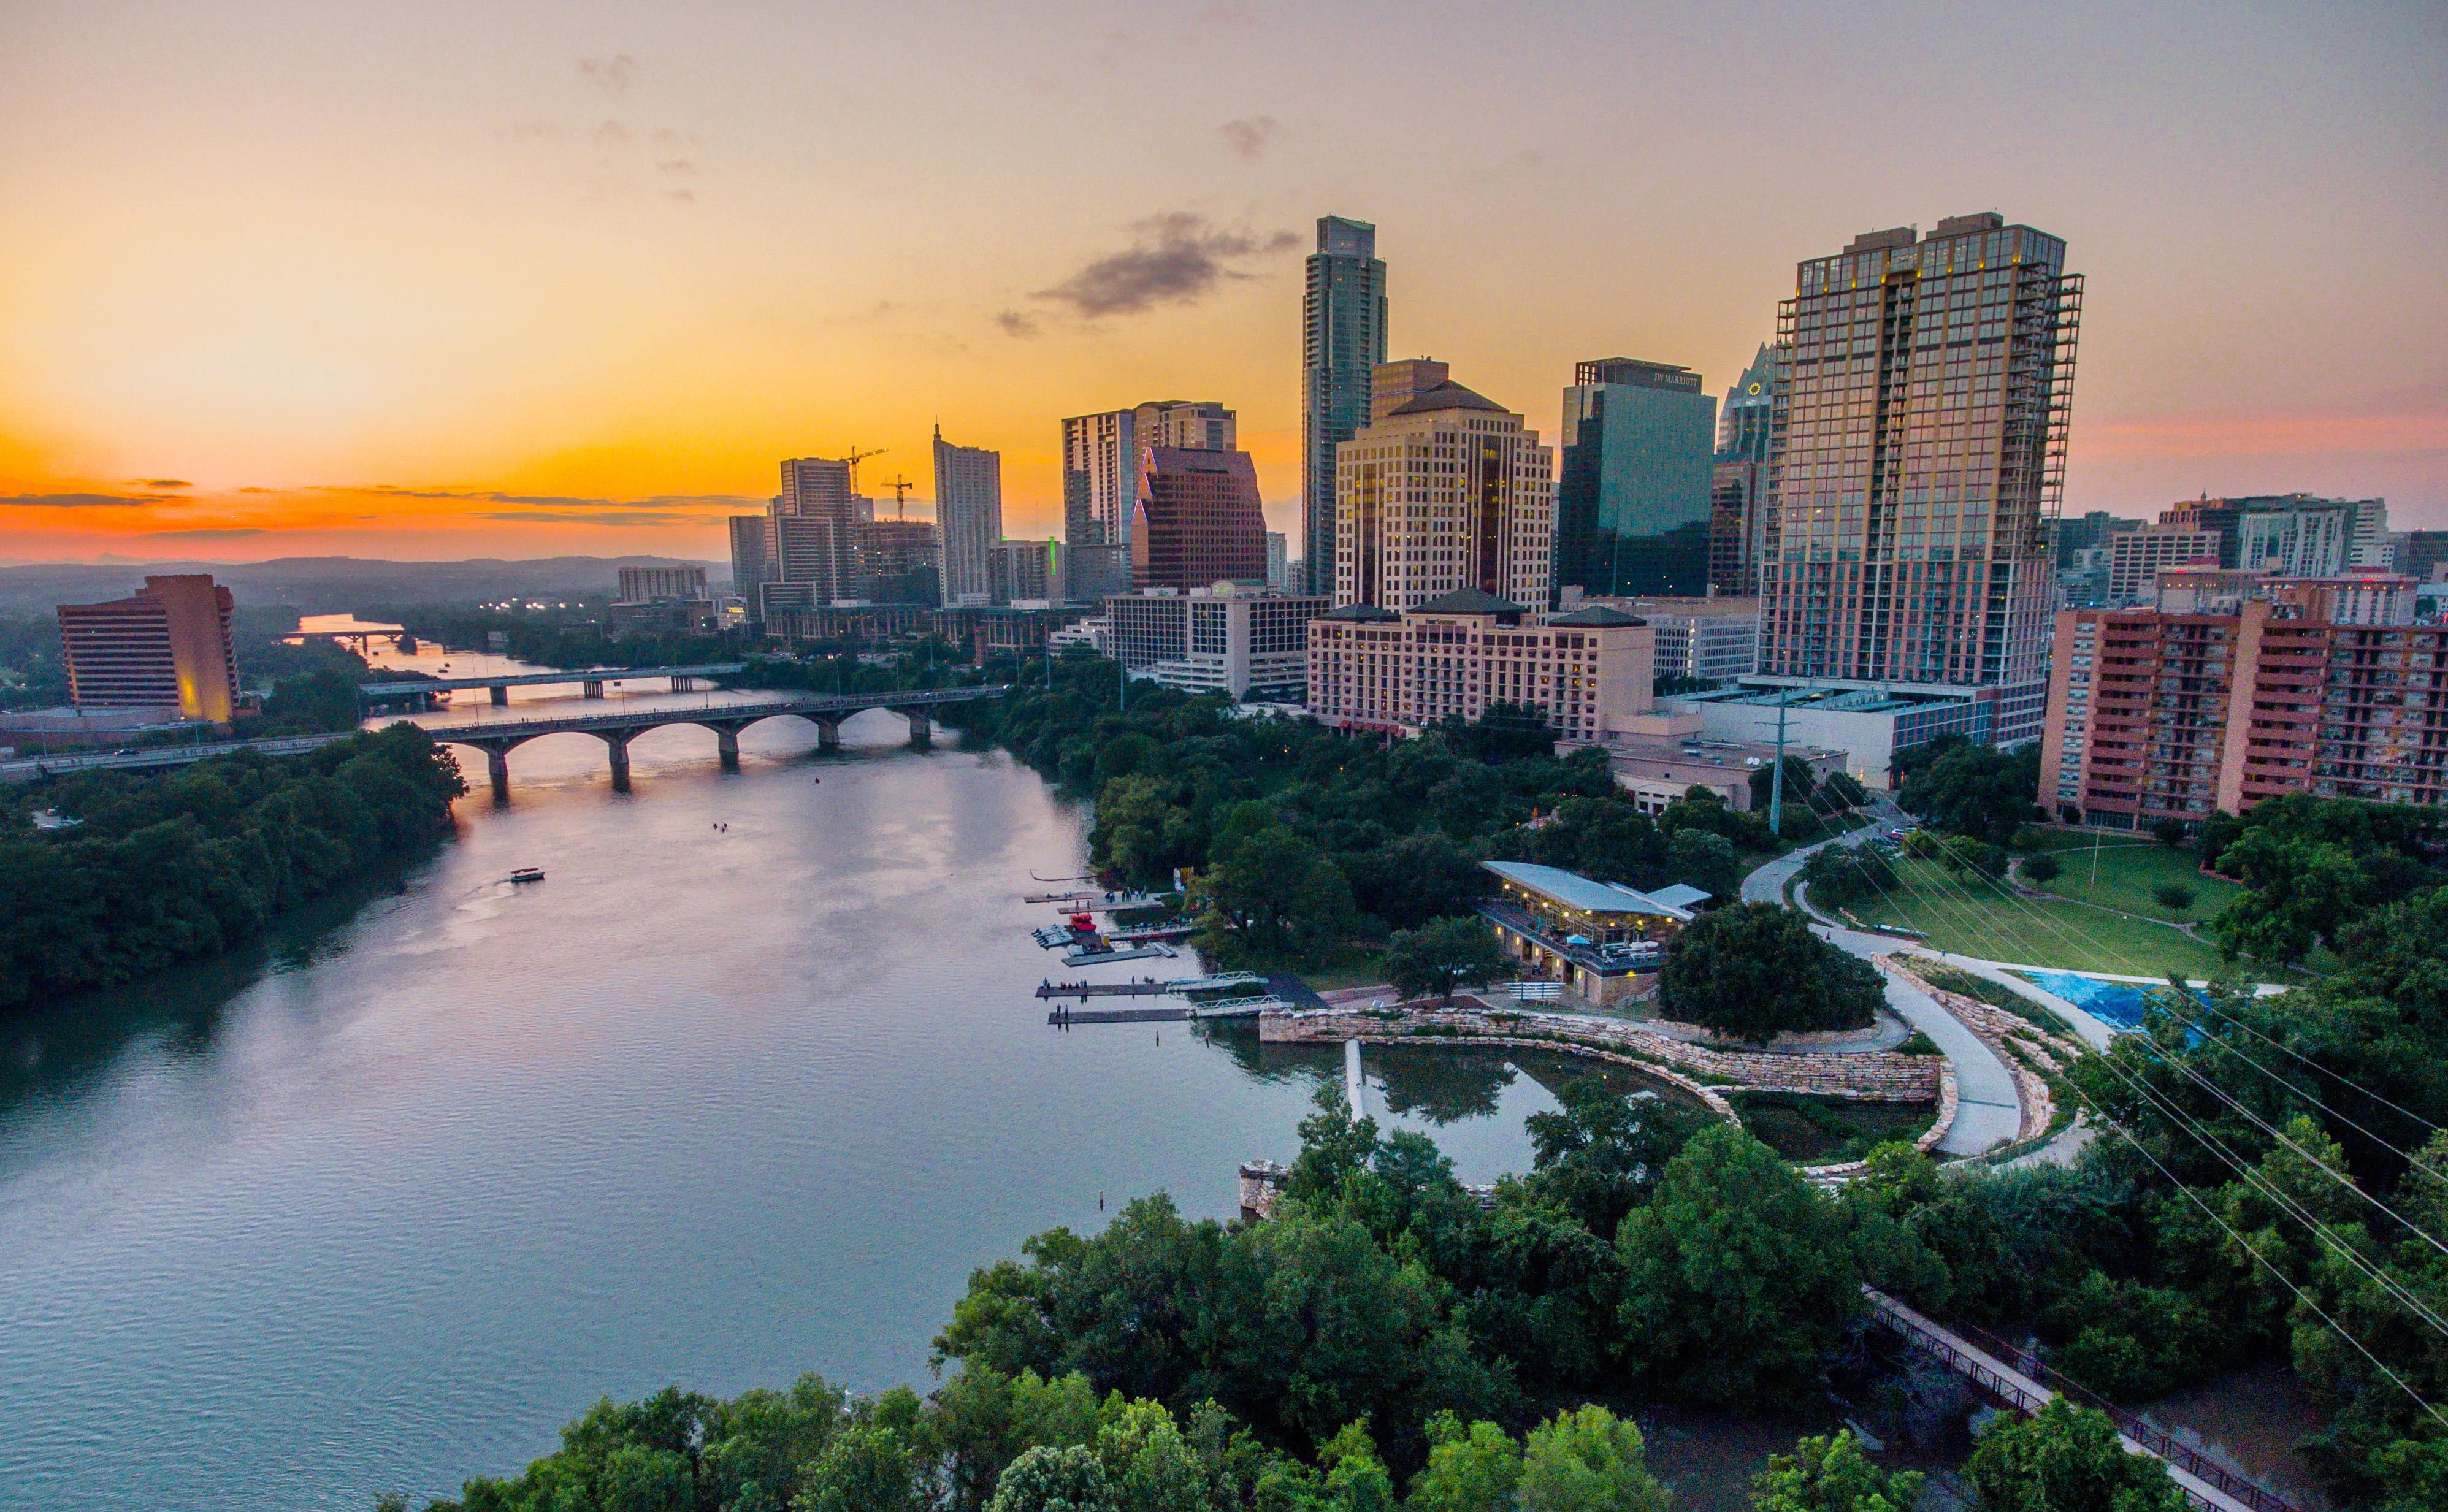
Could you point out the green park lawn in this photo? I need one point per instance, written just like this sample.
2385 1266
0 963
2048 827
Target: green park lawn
1969 915
2128 870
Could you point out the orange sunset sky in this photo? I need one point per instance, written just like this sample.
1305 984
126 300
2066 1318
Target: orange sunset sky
521 279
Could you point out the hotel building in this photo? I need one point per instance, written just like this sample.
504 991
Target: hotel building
1454 657
165 646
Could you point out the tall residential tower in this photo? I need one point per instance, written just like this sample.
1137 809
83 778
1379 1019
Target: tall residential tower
1343 338
969 508
1916 460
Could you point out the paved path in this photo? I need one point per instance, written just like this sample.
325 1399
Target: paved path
1987 1113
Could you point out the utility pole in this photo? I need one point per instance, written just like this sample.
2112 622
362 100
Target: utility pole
1776 778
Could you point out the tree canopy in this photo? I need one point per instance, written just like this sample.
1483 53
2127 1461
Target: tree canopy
1754 970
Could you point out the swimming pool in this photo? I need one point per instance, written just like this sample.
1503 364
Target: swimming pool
2118 1004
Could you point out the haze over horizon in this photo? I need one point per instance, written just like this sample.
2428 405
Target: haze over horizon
293 279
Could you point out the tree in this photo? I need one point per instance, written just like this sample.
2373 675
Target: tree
1269 893
1705 861
2169 832
1739 1278
1414 879
1469 1470
1049 1479
1830 1475
2044 869
2066 1460
2174 896
1602 1153
1840 875
1587 1460
1756 970
1431 960
866 1468
1799 783
1975 790
1841 791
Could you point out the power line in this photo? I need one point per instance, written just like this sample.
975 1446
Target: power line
2322 1069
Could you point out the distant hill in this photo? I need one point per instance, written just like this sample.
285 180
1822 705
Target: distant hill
337 584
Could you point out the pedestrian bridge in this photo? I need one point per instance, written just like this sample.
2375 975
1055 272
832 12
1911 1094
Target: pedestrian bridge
497 738
419 692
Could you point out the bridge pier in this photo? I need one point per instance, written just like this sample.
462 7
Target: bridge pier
501 695
828 735
591 688
726 742
922 732
616 741
497 766
681 684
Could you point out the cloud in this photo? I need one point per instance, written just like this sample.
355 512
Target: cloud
1252 135
611 75
678 165
230 534
520 129
1016 324
258 490
638 521
682 196
554 501
1178 258
163 483
79 501
611 131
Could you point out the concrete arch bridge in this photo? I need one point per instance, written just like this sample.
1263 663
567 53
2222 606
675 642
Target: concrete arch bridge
498 738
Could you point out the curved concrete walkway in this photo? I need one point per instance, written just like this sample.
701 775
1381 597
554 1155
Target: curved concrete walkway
1987 1113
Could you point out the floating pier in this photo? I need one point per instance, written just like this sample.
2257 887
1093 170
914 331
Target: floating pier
1235 1008
1151 952
1149 987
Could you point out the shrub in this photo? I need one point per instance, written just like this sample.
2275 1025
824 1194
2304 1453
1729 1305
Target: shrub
2174 896
2044 869
2169 832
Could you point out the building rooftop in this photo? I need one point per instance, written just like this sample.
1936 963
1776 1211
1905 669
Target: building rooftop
1597 614
1365 613
1579 892
1447 396
1469 600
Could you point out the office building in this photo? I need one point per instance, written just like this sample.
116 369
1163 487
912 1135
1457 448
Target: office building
165 646
969 511
1916 460
1100 452
1198 520
2156 717
2083 577
645 585
2420 554
2136 558
2224 517
1656 771
1446 490
1714 640
901 562
1634 479
1738 478
753 553
2095 530
817 487
1028 572
1453 657
1090 574
1277 565
2303 536
1236 639
1343 338
1870 723
2357 599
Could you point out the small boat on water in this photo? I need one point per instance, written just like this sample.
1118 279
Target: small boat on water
527 875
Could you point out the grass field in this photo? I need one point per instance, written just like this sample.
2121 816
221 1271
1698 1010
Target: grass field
1969 915
2128 870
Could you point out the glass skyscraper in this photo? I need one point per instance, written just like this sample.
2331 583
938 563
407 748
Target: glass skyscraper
1632 491
1343 338
1917 459
1738 489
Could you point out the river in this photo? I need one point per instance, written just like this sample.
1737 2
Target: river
744 1088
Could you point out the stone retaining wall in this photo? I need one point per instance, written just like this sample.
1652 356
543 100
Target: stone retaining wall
2027 1050
1873 1076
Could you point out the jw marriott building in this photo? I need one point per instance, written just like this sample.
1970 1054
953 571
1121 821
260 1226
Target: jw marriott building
1917 455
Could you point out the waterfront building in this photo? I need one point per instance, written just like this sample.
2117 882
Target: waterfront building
753 552
1197 521
1916 460
1446 490
644 585
968 510
1100 451
1028 572
1229 638
2156 715
1456 656
1601 942
2136 557
1738 478
1343 339
1632 494
165 646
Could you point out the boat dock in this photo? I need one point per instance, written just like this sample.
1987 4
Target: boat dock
1149 952
1232 1009
1087 902
1149 987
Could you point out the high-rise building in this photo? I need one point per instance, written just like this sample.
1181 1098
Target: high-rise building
753 553
1099 452
165 646
1634 477
2420 553
1027 571
1343 338
2081 532
1239 640
2223 516
903 562
2302 535
1198 520
644 585
1448 490
1090 573
2156 715
1916 460
1738 478
2134 558
1276 563
968 510
815 487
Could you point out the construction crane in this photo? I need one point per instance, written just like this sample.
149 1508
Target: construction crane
900 486
855 457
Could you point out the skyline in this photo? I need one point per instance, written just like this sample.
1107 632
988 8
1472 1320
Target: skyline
560 284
